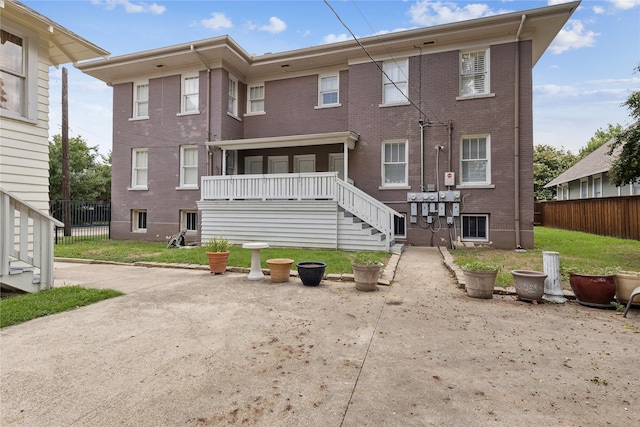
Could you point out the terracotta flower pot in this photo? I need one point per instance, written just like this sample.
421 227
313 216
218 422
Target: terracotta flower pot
311 272
593 291
280 269
218 261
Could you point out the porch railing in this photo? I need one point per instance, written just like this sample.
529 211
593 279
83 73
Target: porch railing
26 235
302 186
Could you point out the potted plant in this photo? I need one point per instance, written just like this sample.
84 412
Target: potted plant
366 271
279 269
480 278
529 284
218 253
311 272
594 287
626 282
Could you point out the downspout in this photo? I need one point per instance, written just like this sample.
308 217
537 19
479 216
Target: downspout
516 135
421 123
208 125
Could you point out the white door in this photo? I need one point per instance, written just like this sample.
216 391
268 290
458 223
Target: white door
336 164
278 164
304 163
253 165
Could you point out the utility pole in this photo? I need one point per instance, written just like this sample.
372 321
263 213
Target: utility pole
66 182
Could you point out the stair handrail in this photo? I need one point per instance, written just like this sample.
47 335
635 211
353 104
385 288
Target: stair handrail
42 236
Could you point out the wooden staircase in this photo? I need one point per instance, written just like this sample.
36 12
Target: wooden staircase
26 245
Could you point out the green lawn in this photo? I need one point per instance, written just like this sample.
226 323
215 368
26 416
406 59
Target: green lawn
579 252
137 251
21 308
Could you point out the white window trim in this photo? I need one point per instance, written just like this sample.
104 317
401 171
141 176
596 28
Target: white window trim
134 115
134 220
467 239
405 184
249 100
487 88
585 182
30 42
335 104
593 185
404 235
184 186
134 184
477 184
405 101
234 107
183 221
183 111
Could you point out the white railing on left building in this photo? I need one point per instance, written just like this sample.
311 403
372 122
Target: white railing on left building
26 235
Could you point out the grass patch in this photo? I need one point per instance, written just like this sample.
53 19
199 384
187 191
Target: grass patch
21 308
128 251
579 252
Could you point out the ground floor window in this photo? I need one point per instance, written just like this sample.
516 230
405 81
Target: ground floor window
189 221
139 221
475 228
400 226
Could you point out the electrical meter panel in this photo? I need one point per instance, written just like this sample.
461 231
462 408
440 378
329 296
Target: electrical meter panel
449 196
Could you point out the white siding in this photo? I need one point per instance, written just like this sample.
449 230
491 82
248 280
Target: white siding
24 148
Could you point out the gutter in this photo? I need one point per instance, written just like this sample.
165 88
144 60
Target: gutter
516 136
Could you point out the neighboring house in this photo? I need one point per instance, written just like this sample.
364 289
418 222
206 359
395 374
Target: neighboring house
589 178
30 44
323 147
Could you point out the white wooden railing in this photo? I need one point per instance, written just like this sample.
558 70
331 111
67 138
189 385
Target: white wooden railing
26 235
301 186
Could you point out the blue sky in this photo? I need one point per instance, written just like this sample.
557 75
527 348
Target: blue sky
579 83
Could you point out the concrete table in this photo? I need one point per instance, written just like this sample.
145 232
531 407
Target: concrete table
255 273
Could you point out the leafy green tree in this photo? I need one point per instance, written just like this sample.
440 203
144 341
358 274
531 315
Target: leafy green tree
89 172
600 138
548 163
626 167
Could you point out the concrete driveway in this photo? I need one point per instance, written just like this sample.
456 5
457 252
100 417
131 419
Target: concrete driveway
184 348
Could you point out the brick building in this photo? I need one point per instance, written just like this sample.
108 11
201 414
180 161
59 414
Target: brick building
422 136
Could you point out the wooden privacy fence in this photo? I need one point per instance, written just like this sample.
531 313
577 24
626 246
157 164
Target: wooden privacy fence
607 216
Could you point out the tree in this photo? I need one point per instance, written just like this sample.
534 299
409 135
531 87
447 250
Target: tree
600 138
89 174
626 166
548 163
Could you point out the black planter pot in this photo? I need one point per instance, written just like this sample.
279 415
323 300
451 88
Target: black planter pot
311 272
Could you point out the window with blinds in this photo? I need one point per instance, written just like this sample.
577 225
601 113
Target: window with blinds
474 73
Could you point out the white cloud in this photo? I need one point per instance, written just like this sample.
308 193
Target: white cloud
218 20
131 7
335 38
598 10
625 4
426 12
573 36
276 25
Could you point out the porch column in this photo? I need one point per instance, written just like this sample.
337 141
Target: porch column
345 159
224 161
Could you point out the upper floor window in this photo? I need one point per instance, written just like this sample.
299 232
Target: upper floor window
189 166
475 159
474 73
328 90
190 94
141 100
395 82
597 186
256 98
584 188
394 163
13 75
232 106
139 168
